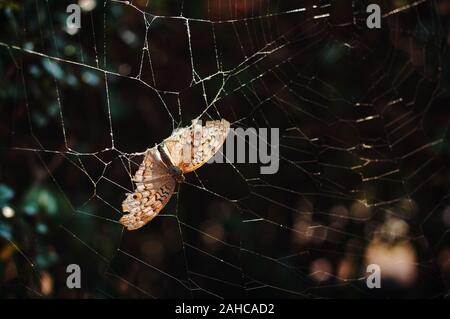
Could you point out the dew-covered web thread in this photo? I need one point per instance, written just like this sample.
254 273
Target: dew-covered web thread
363 174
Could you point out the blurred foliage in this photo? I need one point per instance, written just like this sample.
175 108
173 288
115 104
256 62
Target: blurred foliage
9 4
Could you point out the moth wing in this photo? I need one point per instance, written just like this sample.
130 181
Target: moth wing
154 188
190 148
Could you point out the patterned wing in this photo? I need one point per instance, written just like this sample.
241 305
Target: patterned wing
154 187
191 147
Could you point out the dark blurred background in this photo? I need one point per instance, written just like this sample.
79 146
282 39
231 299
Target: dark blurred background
364 169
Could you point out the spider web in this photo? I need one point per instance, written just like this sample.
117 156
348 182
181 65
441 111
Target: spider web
363 146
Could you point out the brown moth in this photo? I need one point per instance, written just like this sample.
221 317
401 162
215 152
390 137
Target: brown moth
165 164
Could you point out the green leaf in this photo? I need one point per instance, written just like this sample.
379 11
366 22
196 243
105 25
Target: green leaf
40 199
6 193
5 231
